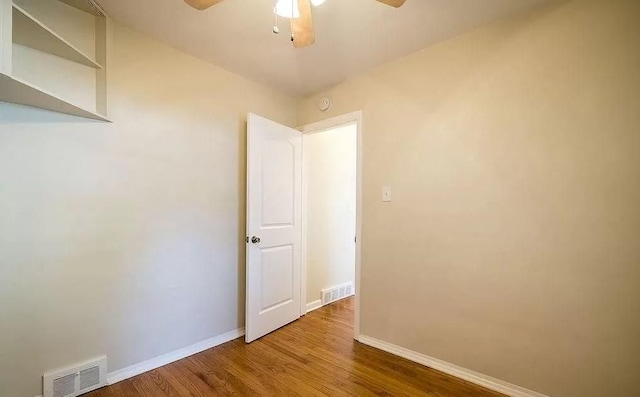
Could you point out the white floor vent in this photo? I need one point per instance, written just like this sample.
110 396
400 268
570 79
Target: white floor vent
76 380
336 293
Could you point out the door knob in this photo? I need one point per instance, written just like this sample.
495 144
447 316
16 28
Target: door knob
255 240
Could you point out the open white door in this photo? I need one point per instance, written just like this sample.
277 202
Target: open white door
274 215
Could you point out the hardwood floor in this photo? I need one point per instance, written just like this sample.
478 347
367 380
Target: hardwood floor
314 356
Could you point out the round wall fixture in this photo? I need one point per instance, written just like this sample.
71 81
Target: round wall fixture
324 104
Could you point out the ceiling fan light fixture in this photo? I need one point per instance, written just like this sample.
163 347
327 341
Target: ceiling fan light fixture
317 3
287 9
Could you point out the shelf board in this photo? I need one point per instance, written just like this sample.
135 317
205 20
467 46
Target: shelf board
83 5
14 90
31 32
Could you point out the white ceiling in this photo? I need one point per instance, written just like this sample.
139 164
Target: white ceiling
351 35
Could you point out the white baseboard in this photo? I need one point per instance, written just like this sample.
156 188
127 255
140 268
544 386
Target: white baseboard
451 369
314 305
168 358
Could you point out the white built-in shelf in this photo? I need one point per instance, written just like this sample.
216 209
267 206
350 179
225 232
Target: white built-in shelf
14 90
30 32
30 24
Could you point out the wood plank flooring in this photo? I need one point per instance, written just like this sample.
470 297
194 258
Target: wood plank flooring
314 356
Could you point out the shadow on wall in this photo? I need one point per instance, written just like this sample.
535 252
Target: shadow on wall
242 218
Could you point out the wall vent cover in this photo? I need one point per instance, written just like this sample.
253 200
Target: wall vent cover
76 380
64 386
336 293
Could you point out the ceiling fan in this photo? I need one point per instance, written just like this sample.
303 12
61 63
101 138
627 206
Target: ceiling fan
297 11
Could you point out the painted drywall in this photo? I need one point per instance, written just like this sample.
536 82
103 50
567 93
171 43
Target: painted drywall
512 245
126 239
329 162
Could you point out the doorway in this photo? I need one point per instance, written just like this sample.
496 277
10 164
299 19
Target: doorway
331 212
276 291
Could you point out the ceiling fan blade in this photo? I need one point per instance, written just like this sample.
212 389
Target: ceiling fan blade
302 28
202 4
393 3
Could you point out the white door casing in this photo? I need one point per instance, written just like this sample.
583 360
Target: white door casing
274 230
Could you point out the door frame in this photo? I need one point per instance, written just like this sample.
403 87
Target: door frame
320 126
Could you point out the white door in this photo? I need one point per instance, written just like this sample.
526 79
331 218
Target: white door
274 215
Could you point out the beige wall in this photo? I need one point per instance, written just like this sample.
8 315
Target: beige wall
329 163
512 245
125 239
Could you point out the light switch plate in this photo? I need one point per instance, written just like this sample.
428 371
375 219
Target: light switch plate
386 194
